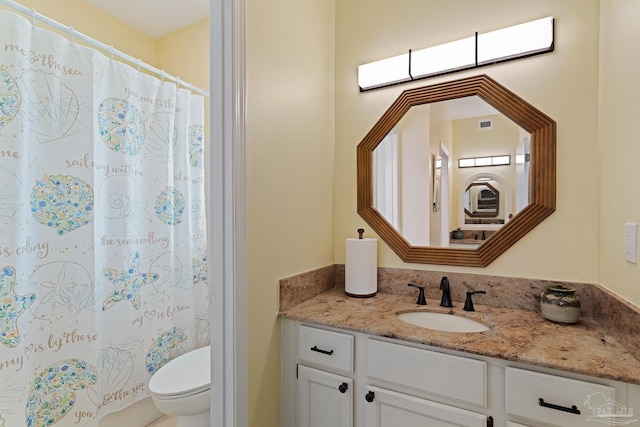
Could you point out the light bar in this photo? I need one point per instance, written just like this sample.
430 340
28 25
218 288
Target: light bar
475 162
506 44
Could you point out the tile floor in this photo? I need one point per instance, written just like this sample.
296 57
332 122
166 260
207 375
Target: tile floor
165 421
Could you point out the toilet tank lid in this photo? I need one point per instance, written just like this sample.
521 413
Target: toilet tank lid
186 373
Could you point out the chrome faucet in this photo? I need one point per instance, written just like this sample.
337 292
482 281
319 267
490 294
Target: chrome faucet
446 294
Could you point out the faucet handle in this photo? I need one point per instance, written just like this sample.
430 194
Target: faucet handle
468 304
421 300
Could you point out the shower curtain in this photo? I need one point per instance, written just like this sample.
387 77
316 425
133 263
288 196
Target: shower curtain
102 229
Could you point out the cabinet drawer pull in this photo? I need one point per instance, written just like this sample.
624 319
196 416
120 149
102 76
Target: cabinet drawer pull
369 396
319 350
573 410
343 387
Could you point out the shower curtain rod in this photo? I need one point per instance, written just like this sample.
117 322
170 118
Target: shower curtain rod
107 49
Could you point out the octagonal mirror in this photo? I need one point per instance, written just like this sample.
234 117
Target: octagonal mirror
456 173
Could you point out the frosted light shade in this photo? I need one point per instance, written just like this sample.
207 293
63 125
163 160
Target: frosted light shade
501 160
386 71
466 163
483 161
518 40
451 56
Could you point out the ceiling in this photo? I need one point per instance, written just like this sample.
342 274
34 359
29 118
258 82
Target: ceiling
155 17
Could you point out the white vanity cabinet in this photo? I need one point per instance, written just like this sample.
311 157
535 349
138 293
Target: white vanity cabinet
324 388
327 349
386 408
387 386
410 369
324 399
342 378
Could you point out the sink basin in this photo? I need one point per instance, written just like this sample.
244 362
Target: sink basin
442 321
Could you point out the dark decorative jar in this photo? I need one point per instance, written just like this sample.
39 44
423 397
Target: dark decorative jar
457 234
560 304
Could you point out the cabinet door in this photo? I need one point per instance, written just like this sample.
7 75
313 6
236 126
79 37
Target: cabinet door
324 399
386 408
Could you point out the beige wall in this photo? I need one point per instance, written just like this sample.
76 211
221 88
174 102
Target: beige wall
185 53
290 156
563 84
619 148
93 22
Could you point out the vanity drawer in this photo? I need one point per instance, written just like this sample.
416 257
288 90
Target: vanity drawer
454 377
329 349
524 389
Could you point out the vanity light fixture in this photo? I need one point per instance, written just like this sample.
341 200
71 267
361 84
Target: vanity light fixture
475 162
506 44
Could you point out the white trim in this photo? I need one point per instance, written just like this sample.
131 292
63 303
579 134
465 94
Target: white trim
227 205
445 198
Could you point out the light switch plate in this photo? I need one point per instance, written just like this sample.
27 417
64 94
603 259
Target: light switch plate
630 242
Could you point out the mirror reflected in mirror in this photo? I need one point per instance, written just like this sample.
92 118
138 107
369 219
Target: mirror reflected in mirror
482 201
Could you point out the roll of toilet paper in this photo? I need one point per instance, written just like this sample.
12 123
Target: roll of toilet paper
361 265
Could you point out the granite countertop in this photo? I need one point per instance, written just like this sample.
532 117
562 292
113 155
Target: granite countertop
515 335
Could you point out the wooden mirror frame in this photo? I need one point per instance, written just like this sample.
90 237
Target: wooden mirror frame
542 194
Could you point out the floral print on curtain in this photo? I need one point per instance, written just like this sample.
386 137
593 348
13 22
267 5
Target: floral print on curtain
103 274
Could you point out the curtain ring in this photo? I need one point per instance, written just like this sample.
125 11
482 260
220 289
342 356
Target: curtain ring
33 17
162 75
138 63
71 33
111 51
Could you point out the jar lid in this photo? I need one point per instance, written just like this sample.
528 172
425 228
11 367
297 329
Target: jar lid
558 287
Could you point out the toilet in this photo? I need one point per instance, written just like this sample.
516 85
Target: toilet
182 388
